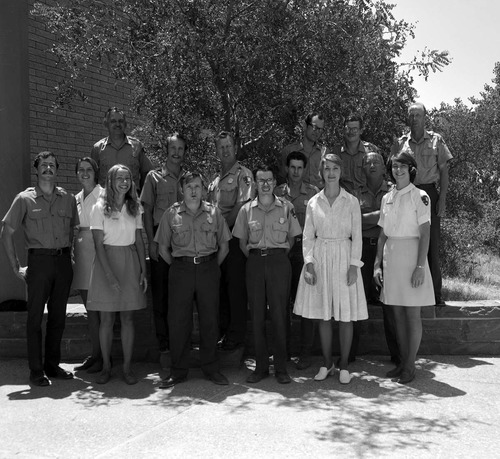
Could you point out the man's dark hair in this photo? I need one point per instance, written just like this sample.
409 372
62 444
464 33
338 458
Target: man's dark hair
177 135
189 176
110 110
352 117
44 155
310 116
263 168
297 156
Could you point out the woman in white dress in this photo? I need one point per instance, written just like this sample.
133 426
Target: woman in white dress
403 244
87 172
331 285
118 278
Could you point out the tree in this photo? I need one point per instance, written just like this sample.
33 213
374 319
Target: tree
250 67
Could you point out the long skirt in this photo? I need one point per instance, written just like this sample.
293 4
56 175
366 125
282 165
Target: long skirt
400 260
124 263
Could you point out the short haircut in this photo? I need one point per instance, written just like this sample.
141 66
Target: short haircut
94 165
44 155
262 167
189 176
418 104
297 156
353 117
404 158
335 159
110 110
310 116
223 135
176 135
378 155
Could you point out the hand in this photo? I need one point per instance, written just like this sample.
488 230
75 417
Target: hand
417 278
310 274
378 277
22 273
144 282
352 275
153 251
441 207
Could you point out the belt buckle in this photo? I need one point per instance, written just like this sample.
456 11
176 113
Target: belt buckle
196 260
59 252
263 252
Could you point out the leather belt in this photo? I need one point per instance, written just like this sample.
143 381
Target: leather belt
370 240
197 260
50 252
266 252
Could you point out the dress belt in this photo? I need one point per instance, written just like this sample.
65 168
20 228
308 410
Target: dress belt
197 260
340 239
266 252
50 252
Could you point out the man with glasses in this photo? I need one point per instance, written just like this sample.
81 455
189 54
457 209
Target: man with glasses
119 148
352 153
313 127
266 228
432 155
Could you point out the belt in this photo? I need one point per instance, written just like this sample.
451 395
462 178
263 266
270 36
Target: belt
197 260
370 240
50 252
266 252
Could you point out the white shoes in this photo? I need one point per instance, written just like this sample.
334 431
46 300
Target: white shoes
345 377
324 372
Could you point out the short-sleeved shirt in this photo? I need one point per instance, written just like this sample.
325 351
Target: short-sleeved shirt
130 153
311 172
267 229
403 211
161 190
119 228
84 205
192 235
430 153
353 176
306 192
371 202
47 223
236 186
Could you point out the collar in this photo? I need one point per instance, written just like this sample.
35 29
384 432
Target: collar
405 190
164 171
277 203
426 135
232 171
39 192
383 187
343 194
361 148
127 140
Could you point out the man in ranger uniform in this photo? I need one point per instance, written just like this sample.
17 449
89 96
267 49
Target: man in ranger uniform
48 215
119 148
313 127
432 156
298 192
352 153
231 188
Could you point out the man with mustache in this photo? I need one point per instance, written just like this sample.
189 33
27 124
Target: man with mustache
119 148
47 214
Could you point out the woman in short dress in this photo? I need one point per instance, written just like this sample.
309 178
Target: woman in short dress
402 246
331 285
118 278
87 172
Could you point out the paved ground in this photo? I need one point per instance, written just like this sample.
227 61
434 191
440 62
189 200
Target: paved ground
451 410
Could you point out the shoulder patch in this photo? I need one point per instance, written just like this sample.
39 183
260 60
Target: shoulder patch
425 200
247 180
292 212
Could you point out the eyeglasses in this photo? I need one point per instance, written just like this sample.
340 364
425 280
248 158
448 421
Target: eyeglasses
354 130
264 181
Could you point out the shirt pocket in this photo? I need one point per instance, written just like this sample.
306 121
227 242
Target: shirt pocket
38 221
255 232
165 198
181 235
280 232
209 235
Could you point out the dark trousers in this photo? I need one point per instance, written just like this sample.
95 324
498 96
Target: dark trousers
307 326
49 281
159 292
435 241
268 283
233 294
187 283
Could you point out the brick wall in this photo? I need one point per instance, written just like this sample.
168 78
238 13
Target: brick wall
70 132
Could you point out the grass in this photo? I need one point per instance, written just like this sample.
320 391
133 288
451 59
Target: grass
483 282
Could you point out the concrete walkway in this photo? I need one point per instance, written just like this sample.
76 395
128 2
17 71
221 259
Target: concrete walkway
451 410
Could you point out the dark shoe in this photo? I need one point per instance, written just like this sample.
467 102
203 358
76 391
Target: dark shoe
58 372
407 376
440 302
302 363
130 378
87 363
217 378
38 378
171 381
230 345
103 377
283 378
256 377
96 367
395 372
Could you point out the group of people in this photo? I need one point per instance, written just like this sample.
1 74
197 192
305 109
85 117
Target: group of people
332 237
